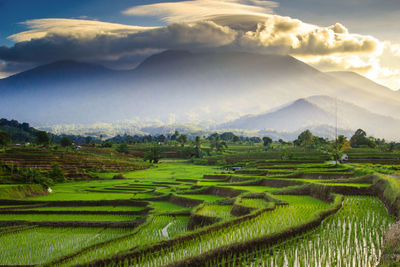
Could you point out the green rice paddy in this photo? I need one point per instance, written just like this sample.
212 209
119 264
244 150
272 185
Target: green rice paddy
166 199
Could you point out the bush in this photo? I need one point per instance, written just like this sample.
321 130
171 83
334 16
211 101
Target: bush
119 177
65 142
34 176
123 148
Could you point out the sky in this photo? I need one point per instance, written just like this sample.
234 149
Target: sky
341 35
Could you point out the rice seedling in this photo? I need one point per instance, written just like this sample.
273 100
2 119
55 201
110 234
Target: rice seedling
351 237
146 234
207 198
302 210
39 245
257 203
219 211
84 208
65 217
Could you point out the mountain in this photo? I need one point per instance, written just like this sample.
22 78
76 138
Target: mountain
318 111
290 118
177 87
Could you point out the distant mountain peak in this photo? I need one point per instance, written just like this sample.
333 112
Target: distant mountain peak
60 70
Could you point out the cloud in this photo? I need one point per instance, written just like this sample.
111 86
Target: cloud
48 43
56 39
222 25
375 66
292 36
189 11
73 28
340 63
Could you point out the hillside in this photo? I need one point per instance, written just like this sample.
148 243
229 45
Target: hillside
19 132
174 86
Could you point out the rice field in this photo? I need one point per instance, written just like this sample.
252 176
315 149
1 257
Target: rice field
65 217
218 211
351 237
159 228
304 208
166 198
41 244
80 208
257 203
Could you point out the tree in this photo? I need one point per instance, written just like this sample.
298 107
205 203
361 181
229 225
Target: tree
65 142
154 155
5 139
360 139
42 138
218 144
267 141
88 140
123 148
56 173
339 145
175 136
182 139
197 146
161 138
305 139
236 139
392 146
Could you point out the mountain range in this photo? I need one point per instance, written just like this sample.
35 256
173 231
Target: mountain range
213 89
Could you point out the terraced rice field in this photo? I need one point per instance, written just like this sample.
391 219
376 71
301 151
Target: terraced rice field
271 213
351 237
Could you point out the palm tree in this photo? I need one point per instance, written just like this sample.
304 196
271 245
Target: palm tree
197 146
338 147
